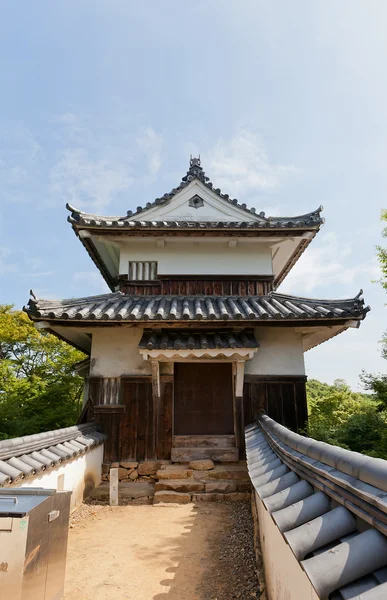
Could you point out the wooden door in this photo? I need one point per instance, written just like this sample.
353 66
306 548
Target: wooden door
203 399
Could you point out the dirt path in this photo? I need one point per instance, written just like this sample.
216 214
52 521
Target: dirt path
186 552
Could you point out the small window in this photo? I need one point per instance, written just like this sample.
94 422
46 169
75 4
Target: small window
142 270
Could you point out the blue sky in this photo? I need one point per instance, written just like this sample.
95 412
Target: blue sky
101 104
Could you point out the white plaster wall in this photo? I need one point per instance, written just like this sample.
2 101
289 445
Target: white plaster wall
280 352
81 475
200 258
114 352
285 579
214 209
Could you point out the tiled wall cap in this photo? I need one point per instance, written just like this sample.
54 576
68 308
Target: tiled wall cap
374 472
299 491
320 531
270 475
265 466
277 485
377 593
346 562
303 511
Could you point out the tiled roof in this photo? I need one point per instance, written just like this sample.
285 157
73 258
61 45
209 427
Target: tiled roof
133 221
190 340
22 457
120 307
330 505
310 220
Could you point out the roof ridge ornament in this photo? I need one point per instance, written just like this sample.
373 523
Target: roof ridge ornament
195 170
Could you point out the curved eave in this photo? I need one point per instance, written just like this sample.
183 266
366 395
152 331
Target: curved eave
121 308
92 251
302 246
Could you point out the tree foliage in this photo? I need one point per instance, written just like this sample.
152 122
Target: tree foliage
345 418
39 390
382 253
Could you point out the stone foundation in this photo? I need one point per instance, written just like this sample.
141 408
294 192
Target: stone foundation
197 481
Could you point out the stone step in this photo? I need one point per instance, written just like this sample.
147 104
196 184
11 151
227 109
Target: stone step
223 472
218 497
227 486
188 486
127 490
182 455
203 441
171 497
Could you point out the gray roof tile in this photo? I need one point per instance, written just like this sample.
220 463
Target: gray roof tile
182 340
323 528
121 307
23 457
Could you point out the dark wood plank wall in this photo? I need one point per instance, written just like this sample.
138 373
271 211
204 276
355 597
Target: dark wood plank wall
210 286
140 428
282 397
136 429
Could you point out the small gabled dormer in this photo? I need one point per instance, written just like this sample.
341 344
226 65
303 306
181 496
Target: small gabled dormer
195 240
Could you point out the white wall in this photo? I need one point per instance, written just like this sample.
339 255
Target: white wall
114 352
280 352
81 475
200 258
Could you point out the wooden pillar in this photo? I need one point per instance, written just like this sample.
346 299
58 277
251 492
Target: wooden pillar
156 396
239 373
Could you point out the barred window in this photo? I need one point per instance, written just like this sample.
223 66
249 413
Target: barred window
142 270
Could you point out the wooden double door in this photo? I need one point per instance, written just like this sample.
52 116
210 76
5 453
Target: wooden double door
203 399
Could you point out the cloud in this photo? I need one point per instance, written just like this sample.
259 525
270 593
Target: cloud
88 282
5 265
150 143
88 183
20 154
242 165
327 264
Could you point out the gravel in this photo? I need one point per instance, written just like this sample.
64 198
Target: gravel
232 571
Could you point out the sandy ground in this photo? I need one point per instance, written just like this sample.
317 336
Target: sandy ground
150 552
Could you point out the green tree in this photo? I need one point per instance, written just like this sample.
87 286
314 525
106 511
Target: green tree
382 253
39 390
339 416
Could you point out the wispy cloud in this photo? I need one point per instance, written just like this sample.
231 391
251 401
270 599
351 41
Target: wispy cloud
6 266
327 264
242 166
89 282
86 182
150 143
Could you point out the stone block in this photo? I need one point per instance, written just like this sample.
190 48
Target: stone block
222 487
122 473
180 485
127 490
133 474
227 473
237 496
129 464
149 468
114 465
209 497
174 472
170 497
201 465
